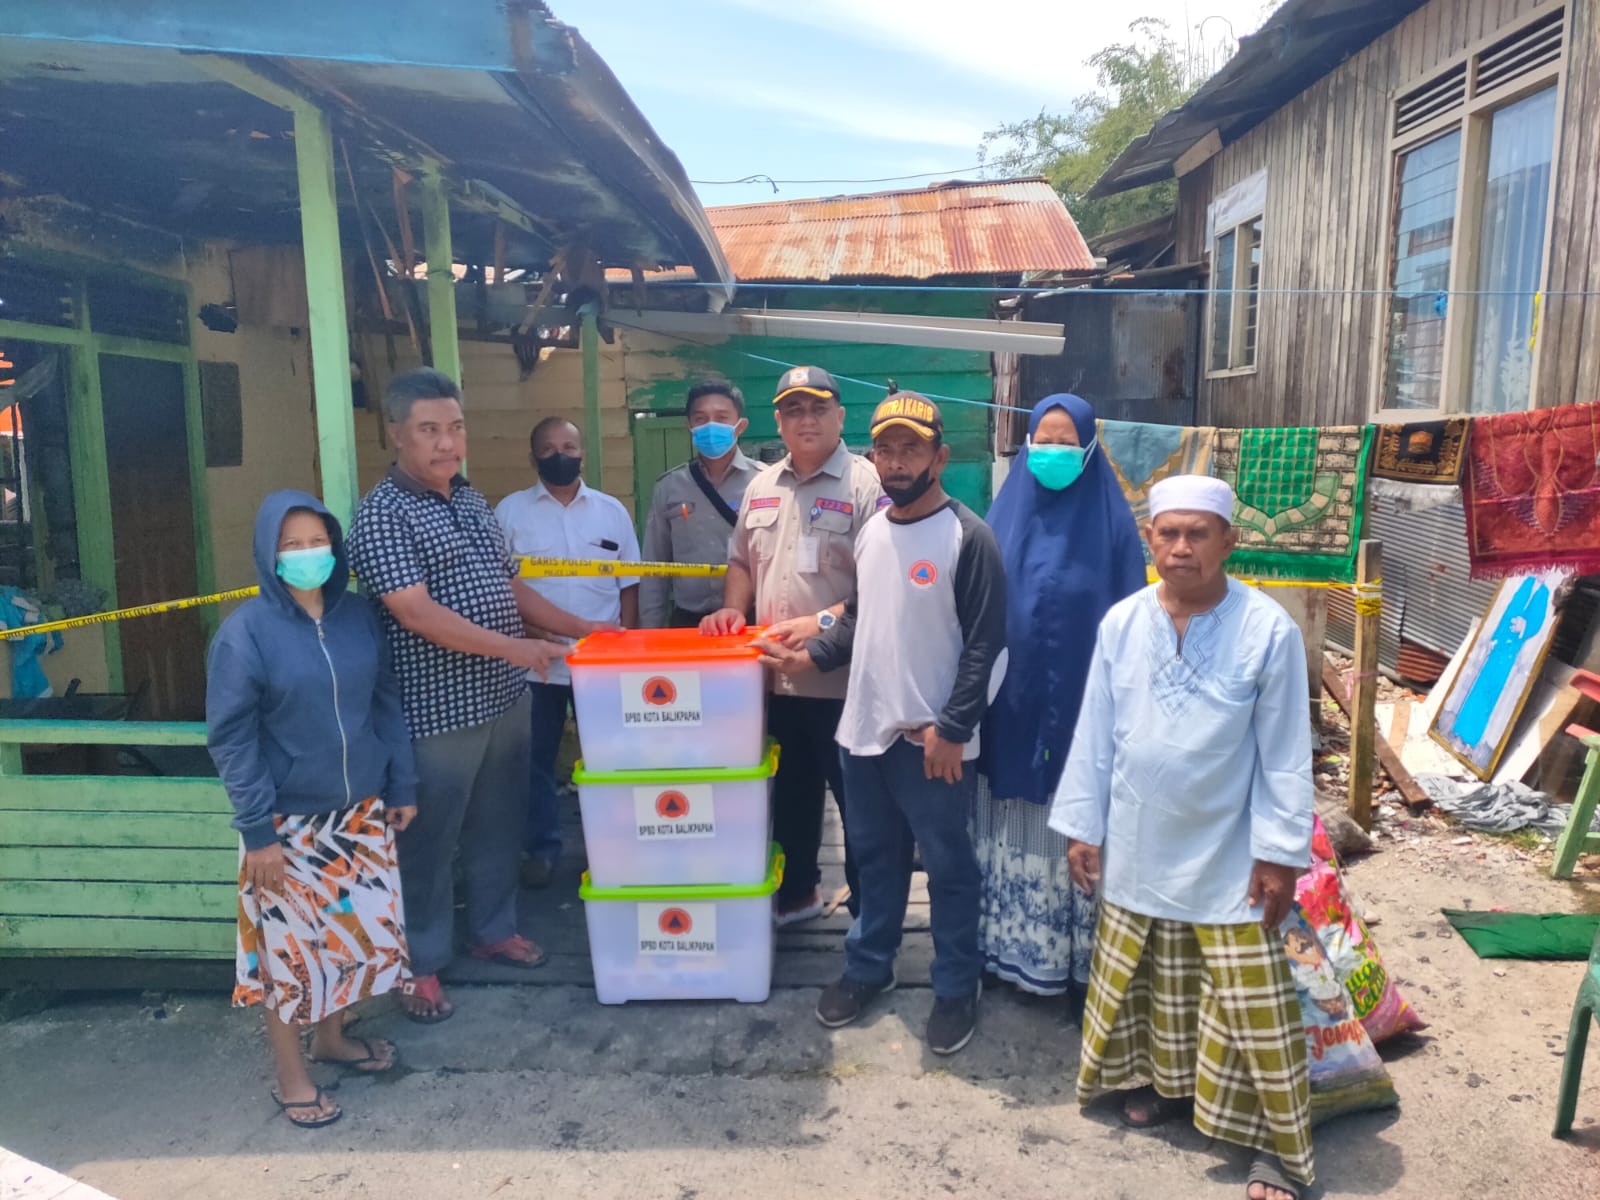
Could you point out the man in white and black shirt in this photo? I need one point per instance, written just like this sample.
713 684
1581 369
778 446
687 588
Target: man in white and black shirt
925 644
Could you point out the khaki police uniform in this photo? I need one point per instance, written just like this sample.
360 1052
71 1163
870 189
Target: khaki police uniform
683 526
796 538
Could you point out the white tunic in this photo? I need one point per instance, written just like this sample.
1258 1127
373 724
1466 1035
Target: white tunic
1191 762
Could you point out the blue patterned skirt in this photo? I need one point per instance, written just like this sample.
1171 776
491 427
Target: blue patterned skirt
1035 929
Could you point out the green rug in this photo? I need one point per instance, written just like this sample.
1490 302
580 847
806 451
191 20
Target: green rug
1301 499
1544 936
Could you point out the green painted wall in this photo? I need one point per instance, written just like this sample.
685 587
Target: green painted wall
658 371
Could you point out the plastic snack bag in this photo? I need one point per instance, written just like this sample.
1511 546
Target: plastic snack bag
1321 897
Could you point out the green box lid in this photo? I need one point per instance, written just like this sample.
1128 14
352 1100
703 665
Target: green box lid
765 769
692 891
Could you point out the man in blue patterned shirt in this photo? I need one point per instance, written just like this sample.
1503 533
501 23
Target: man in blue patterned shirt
426 544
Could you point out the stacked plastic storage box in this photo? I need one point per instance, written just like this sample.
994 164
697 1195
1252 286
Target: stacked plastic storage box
675 789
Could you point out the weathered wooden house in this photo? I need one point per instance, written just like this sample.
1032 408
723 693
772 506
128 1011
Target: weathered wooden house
1395 210
189 194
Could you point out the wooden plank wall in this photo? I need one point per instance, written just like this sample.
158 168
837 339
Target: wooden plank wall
1327 159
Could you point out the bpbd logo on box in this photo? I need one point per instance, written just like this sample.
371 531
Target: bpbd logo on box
659 699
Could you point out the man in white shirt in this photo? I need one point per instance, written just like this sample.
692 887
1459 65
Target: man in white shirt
563 517
1187 800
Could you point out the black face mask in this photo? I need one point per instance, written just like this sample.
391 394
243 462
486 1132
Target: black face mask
558 470
907 494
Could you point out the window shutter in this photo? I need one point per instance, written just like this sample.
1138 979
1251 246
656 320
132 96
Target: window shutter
1527 50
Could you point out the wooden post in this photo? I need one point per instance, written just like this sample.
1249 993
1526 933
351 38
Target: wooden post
330 324
594 438
1364 682
443 332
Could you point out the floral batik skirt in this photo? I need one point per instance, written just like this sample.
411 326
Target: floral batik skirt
1035 927
335 934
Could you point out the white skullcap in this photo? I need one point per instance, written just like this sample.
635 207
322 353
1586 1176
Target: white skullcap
1192 493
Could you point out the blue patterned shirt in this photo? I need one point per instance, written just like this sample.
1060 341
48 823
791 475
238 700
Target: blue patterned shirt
404 534
1190 762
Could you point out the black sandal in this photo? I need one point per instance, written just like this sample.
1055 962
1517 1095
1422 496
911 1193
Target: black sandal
1162 1109
360 1065
1268 1171
315 1102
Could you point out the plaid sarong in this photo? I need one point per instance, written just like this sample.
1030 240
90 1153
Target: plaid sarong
1208 1011
1301 497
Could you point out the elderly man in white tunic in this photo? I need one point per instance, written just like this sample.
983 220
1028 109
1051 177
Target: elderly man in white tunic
1187 798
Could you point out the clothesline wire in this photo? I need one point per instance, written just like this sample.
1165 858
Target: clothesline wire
1065 289
778 362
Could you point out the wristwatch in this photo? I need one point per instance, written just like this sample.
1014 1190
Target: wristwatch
826 620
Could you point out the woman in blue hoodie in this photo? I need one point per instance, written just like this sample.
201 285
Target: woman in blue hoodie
304 723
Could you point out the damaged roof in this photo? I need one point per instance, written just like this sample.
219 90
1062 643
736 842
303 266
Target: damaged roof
1005 227
1297 45
128 109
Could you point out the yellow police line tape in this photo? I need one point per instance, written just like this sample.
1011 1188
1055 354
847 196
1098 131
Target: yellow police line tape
528 568
1364 591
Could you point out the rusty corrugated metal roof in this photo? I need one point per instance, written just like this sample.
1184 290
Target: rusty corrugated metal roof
1005 227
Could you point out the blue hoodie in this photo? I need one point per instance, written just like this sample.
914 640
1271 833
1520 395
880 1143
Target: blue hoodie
303 716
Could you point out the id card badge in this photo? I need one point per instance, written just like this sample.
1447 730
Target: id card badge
807 564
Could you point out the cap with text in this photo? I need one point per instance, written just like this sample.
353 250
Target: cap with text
813 381
914 412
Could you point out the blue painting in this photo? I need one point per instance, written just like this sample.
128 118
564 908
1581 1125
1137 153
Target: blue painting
1482 702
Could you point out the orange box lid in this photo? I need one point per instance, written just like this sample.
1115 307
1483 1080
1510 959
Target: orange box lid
648 647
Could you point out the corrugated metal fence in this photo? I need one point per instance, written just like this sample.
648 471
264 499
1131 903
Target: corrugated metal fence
1429 596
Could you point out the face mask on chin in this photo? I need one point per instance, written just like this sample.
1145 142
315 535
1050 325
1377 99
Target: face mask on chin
559 470
906 494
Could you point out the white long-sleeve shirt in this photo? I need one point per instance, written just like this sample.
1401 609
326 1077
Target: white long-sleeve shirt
1190 762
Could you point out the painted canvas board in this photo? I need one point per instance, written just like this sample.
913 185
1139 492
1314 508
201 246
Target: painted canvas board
1484 698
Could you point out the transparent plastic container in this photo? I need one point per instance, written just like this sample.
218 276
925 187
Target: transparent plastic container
668 699
673 828
683 943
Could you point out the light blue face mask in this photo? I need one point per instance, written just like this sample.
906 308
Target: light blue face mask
1057 467
713 439
306 569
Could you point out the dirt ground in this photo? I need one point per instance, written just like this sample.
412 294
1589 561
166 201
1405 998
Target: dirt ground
537 1090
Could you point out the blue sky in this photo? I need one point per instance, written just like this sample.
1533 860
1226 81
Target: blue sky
859 89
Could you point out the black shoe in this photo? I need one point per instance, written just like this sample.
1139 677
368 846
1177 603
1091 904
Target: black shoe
953 1022
845 1001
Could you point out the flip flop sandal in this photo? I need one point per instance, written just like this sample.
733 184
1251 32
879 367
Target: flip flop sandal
500 952
1269 1171
364 1066
316 1102
1161 1109
428 989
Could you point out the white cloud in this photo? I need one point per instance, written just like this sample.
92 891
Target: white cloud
1031 45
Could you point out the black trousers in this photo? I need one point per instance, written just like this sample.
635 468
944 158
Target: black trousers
809 762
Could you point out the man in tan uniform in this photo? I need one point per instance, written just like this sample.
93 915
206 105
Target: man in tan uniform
792 559
694 507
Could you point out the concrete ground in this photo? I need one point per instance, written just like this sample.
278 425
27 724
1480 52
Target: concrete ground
537 1090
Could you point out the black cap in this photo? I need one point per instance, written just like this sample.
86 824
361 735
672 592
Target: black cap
916 413
812 380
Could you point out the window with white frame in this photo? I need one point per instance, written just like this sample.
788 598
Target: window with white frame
1235 221
1474 156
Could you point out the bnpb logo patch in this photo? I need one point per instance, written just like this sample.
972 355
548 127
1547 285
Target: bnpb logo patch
924 573
659 690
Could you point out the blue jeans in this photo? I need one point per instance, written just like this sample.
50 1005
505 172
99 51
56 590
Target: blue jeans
550 704
892 805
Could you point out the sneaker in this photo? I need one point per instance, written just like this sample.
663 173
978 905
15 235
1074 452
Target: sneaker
953 1022
802 909
845 1001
